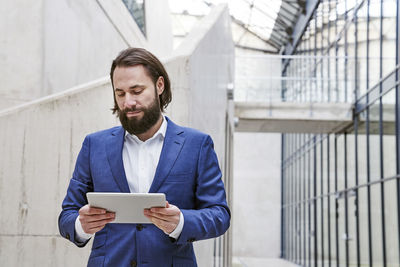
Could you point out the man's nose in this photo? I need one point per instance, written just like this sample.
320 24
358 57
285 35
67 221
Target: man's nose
130 101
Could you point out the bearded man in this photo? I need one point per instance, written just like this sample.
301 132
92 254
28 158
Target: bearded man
148 154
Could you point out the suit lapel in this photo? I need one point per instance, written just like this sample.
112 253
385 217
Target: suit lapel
172 146
114 154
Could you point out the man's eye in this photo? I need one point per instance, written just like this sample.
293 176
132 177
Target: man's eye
137 92
120 94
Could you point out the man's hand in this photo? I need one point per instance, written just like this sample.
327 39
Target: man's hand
167 219
94 219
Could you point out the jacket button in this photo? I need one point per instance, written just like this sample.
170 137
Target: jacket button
139 227
67 236
133 264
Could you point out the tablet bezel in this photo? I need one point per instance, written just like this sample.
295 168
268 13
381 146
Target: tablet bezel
128 207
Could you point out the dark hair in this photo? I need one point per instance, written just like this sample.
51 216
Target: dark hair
138 56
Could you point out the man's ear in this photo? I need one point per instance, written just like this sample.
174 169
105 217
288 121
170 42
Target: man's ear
160 85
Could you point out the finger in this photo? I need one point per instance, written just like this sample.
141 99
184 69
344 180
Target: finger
157 221
162 215
166 226
99 217
166 211
170 219
102 223
157 216
91 210
94 227
94 210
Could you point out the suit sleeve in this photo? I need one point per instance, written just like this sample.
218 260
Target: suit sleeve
80 183
211 218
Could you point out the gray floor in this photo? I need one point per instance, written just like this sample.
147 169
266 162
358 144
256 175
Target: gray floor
260 262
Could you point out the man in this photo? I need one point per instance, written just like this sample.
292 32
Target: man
149 153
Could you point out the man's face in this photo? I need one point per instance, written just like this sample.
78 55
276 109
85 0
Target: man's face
137 98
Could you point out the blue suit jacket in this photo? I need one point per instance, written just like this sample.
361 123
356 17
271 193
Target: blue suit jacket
187 172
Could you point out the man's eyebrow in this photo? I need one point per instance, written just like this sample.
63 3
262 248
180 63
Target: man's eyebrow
137 86
132 87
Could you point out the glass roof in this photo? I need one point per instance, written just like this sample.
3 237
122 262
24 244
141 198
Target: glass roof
270 20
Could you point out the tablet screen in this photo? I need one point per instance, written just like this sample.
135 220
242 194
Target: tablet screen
128 207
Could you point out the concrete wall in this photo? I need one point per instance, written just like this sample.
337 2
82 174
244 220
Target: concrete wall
256 183
40 142
49 46
41 139
257 195
201 69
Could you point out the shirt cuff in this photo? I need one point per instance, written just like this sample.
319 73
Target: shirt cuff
80 235
178 230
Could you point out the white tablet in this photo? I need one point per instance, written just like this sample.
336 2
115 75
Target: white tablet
128 207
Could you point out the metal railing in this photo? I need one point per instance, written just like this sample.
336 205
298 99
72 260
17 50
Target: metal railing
310 78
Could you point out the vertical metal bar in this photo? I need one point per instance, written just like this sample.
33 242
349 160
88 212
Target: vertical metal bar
336 206
304 204
220 250
294 207
283 222
309 206
381 137
322 200
345 53
346 200
298 171
298 190
285 193
215 253
328 137
335 140
370 257
299 197
315 56
336 54
398 119
287 233
287 178
289 197
321 68
329 60
309 64
328 178
292 199
356 138
315 202
356 213
283 85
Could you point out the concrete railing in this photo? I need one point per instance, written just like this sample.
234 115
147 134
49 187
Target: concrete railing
40 141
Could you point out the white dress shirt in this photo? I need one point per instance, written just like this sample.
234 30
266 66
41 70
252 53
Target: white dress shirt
140 161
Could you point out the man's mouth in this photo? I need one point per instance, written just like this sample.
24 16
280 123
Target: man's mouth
133 113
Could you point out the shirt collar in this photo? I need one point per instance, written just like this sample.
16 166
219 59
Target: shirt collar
161 132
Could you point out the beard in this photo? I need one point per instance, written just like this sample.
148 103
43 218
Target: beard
136 125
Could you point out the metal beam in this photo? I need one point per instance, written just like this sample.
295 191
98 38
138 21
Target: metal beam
299 28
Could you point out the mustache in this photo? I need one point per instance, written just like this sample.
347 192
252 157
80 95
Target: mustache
126 110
